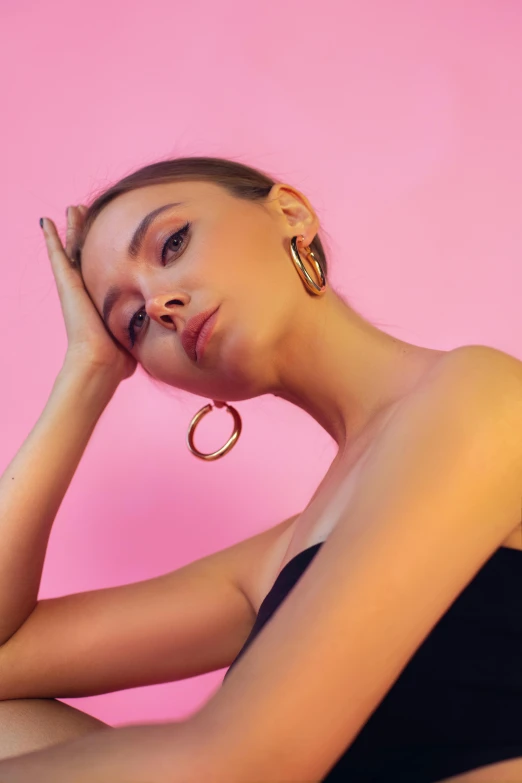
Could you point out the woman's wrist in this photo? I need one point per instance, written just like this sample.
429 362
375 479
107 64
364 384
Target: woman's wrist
92 380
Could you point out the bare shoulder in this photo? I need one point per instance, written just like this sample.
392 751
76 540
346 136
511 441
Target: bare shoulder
473 385
486 384
482 374
486 380
497 366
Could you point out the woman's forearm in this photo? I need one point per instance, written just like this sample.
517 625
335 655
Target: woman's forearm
34 483
157 753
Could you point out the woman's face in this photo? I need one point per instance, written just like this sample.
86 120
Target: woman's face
222 252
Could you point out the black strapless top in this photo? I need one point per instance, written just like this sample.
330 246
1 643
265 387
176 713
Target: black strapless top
457 705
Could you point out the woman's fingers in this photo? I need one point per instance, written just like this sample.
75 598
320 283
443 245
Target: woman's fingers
69 232
65 274
89 341
75 218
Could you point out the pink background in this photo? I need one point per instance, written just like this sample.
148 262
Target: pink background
401 121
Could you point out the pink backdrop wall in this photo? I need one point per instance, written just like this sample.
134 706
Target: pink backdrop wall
401 121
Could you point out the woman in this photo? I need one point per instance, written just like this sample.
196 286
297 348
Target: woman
213 277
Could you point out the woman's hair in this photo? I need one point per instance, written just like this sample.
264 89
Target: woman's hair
240 180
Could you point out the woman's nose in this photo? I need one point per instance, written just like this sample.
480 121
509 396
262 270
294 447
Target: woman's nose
164 310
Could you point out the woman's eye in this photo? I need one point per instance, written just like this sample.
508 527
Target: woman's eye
179 237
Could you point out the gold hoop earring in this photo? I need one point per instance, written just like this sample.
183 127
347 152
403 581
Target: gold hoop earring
310 284
230 442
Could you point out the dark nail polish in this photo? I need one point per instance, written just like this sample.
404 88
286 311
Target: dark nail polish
41 223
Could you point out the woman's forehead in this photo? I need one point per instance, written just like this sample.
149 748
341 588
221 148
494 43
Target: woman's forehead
127 208
117 229
113 229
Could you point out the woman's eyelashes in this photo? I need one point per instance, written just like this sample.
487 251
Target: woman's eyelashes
181 233
180 236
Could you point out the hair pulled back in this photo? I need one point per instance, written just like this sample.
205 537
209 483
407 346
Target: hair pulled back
240 180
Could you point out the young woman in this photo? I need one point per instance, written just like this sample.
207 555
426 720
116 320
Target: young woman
373 636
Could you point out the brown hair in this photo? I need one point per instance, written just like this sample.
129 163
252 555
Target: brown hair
240 180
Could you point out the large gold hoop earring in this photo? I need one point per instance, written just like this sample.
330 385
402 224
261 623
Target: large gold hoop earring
310 284
230 442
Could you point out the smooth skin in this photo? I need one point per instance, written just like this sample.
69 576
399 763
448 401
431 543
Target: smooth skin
27 725
271 337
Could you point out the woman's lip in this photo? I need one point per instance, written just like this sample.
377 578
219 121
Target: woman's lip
204 334
191 332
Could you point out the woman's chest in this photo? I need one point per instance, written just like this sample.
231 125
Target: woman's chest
316 522
313 526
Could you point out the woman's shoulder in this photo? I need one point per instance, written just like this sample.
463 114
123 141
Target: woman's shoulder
498 364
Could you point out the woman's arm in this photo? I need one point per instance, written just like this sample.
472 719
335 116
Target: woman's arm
160 753
35 482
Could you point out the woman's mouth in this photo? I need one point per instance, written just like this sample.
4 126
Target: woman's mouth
197 332
204 335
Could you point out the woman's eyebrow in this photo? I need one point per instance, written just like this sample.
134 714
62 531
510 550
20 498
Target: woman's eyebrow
135 245
140 233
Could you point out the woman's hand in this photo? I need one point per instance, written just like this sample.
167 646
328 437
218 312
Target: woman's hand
89 341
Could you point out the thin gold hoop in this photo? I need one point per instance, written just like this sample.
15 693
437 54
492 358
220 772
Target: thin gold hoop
310 284
230 442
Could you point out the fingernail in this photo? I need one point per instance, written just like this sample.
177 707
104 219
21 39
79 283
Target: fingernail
42 223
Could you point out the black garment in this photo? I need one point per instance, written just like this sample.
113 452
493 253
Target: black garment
457 705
